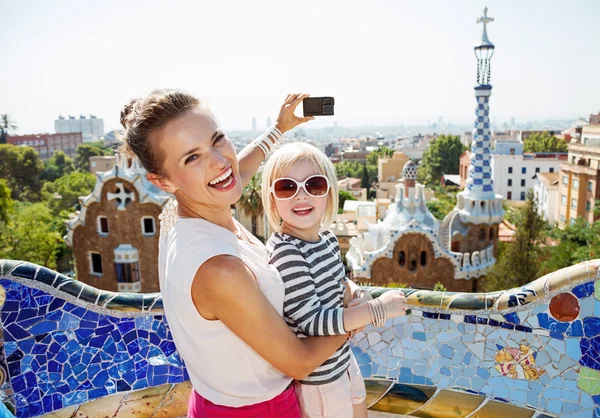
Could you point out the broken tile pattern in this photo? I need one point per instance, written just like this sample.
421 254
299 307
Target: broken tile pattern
67 344
60 354
526 358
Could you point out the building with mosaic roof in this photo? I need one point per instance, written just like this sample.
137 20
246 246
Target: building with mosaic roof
411 246
115 234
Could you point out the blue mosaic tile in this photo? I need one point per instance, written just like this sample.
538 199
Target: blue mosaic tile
584 290
591 326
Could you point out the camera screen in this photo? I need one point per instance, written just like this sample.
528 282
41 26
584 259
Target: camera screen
312 105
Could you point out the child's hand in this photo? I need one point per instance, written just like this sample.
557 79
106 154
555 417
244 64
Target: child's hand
364 298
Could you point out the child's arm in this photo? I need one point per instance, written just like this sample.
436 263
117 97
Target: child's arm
302 304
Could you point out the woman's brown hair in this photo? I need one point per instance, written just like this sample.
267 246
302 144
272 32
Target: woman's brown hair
143 116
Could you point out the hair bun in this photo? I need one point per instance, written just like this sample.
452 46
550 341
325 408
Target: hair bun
128 112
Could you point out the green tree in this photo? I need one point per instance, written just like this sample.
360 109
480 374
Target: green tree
439 287
544 142
519 262
91 149
442 157
355 169
373 157
6 203
21 167
251 201
442 203
6 125
364 182
343 196
575 243
57 166
33 234
63 194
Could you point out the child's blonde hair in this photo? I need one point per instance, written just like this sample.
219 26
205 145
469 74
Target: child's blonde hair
280 162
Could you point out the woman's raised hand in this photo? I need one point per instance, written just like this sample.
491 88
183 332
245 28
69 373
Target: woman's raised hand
287 119
395 303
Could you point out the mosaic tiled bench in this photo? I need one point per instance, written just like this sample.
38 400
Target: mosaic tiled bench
68 348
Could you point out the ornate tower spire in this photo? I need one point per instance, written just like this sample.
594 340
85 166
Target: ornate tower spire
478 203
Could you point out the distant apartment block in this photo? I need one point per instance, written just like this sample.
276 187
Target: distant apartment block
100 164
352 186
48 144
513 171
580 176
91 128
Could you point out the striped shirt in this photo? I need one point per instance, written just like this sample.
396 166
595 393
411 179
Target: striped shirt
313 276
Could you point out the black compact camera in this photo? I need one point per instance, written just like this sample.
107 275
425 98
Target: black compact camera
318 106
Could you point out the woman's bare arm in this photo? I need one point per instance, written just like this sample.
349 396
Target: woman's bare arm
252 156
225 289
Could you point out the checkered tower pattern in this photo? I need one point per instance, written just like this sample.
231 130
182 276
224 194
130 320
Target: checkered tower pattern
480 181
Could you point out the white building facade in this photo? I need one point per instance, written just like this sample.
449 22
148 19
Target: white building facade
91 128
545 188
513 171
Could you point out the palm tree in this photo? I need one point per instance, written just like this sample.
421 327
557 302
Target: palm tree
251 201
6 124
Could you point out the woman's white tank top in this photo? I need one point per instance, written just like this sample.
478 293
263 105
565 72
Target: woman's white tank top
222 368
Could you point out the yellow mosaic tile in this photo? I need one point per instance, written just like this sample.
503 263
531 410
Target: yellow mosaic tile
101 408
449 404
63 413
142 403
376 389
404 402
175 403
493 409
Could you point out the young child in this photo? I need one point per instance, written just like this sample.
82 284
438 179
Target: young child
300 197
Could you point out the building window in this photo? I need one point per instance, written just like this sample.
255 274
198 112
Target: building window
509 182
148 226
522 195
552 169
590 186
522 183
481 234
402 258
509 195
563 200
102 225
565 180
562 218
575 184
588 206
96 264
492 233
573 203
423 258
573 221
509 170
127 272
537 169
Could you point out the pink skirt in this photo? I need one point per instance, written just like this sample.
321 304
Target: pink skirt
284 405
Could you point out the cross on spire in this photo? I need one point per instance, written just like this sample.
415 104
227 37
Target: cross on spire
485 19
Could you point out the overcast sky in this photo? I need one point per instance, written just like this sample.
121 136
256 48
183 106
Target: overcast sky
384 61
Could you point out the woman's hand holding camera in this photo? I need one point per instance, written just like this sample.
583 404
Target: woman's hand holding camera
287 119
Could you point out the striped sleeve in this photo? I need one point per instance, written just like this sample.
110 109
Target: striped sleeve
330 236
301 303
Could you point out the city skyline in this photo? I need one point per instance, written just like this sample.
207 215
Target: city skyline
395 63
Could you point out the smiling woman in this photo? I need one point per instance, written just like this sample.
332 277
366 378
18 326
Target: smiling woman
224 302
